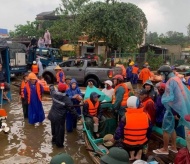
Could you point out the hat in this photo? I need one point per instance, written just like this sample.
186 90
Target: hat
68 78
62 158
109 82
132 63
116 155
34 62
161 85
133 102
107 139
61 87
143 91
119 77
57 67
32 76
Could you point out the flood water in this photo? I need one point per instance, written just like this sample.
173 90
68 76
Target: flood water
26 143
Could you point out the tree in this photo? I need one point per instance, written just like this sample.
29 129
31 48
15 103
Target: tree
68 26
120 25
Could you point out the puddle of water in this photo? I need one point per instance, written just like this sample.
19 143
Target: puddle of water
26 143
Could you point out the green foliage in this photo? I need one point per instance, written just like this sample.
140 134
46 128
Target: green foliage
120 25
155 61
171 38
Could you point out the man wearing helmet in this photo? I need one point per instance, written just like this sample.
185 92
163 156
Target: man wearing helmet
121 94
176 97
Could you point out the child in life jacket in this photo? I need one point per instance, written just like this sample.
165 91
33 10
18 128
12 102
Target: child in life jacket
22 98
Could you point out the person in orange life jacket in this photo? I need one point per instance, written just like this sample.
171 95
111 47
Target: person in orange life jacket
60 106
60 76
149 108
119 101
145 74
75 95
135 72
43 83
68 81
21 93
93 114
33 93
108 90
132 129
148 85
35 68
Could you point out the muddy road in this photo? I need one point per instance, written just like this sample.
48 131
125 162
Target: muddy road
26 143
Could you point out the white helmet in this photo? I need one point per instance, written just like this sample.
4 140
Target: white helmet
133 102
34 62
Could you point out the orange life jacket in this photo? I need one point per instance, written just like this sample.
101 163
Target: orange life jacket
125 96
34 68
58 77
29 91
136 127
144 75
44 84
23 84
92 109
135 70
3 113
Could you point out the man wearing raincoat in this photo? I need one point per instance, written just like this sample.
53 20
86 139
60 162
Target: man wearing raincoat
40 67
176 97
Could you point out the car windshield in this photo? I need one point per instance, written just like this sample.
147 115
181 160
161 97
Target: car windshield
57 55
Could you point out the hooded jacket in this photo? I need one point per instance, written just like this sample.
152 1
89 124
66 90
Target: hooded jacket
152 93
61 104
86 106
71 92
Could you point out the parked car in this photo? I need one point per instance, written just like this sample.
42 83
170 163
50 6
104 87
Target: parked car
183 67
83 70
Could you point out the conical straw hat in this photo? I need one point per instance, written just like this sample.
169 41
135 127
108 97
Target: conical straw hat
57 67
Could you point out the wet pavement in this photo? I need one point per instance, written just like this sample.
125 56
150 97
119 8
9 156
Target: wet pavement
27 144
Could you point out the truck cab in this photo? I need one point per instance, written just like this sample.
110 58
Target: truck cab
48 56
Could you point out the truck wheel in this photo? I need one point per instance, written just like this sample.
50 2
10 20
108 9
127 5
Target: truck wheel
48 78
95 82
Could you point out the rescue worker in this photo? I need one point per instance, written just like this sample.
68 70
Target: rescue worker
75 95
129 72
144 74
60 76
92 112
175 97
60 106
21 93
34 68
108 90
148 85
133 128
121 94
135 72
149 108
33 92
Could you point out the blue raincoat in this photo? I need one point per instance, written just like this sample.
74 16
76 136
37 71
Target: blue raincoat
129 73
176 97
35 108
70 121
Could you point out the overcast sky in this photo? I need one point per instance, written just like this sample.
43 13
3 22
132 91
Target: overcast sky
162 15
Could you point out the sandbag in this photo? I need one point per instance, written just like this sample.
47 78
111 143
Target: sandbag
182 157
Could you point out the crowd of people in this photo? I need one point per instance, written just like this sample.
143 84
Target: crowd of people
137 113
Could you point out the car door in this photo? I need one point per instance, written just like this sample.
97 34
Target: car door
77 71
